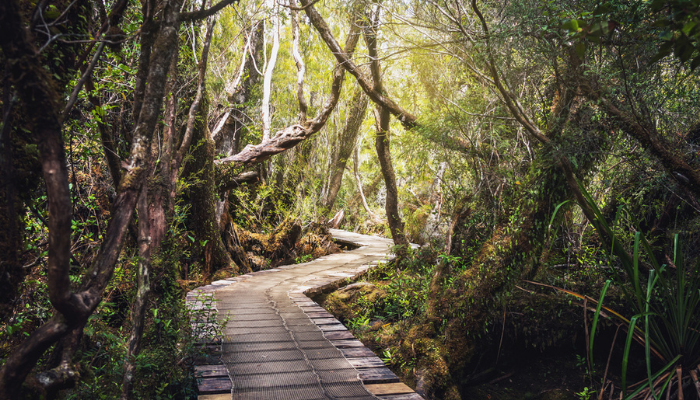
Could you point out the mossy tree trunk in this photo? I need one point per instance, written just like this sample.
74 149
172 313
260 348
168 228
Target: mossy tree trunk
208 248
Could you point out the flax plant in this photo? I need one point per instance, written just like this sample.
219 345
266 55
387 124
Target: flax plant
667 311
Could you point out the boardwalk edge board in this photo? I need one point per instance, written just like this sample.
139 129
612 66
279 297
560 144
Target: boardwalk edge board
212 376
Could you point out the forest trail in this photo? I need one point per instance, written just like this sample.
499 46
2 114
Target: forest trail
279 344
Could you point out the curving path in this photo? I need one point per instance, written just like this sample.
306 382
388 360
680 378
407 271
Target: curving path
281 345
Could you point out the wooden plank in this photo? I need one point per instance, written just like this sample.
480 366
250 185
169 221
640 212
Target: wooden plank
377 375
222 396
312 309
344 344
379 389
325 321
214 385
338 335
320 314
334 327
210 371
408 396
366 362
306 303
357 352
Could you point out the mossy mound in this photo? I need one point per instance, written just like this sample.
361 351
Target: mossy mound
343 303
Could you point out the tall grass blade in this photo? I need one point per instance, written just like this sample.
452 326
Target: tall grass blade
595 319
647 352
656 375
626 353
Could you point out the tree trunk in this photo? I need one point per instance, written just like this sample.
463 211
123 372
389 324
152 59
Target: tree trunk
346 143
202 195
228 169
299 61
382 145
11 241
358 181
269 68
143 288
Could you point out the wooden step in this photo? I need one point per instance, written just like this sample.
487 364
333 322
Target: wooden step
379 389
377 375
214 386
407 396
357 352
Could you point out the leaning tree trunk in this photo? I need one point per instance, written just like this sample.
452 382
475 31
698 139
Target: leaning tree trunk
347 139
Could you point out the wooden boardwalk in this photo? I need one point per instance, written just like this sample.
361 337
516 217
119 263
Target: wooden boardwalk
279 344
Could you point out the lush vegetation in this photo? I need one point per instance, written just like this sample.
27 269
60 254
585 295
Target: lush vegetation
545 155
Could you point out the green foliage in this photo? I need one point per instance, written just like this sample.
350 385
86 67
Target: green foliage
303 259
586 393
405 292
679 21
667 306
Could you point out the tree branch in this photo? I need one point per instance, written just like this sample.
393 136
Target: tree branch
201 14
407 119
228 168
194 108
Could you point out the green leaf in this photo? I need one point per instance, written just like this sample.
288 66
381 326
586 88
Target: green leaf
580 49
556 209
688 27
571 25
51 12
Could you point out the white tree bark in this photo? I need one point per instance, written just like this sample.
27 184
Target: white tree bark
356 170
301 67
267 83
